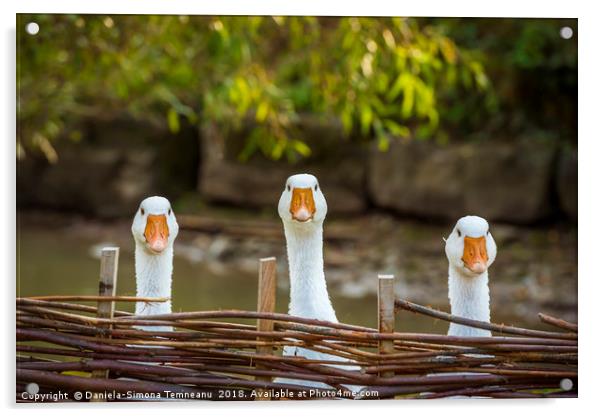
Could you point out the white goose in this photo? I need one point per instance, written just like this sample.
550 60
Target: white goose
470 250
155 229
303 208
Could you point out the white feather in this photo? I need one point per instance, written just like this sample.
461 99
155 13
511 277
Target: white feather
154 270
308 291
468 292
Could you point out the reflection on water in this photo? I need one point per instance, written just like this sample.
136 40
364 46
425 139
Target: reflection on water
61 259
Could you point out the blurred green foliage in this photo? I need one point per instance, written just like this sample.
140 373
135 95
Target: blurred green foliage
533 71
382 78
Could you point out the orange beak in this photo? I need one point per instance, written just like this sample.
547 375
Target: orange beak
475 254
303 207
156 232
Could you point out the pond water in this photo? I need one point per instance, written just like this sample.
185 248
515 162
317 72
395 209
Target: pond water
61 257
53 265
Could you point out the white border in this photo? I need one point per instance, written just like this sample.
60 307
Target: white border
508 8
590 207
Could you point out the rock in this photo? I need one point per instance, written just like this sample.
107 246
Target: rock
417 178
511 182
79 181
566 182
497 180
339 164
108 173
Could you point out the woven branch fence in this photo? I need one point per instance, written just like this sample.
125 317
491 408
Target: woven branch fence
66 345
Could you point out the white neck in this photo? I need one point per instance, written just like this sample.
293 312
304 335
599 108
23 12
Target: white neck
153 279
469 298
309 295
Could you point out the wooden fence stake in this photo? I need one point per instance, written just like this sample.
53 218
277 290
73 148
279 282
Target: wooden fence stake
386 315
266 303
107 285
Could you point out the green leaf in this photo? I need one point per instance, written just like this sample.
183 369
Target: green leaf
301 147
397 87
383 143
347 121
173 121
396 129
365 119
278 149
408 101
262 111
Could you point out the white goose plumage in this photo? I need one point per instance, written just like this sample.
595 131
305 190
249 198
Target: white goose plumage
302 208
470 250
154 229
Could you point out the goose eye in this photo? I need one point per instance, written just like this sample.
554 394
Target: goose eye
459 233
288 187
169 212
316 187
141 211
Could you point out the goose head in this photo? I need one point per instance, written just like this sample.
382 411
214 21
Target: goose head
302 203
470 247
155 227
